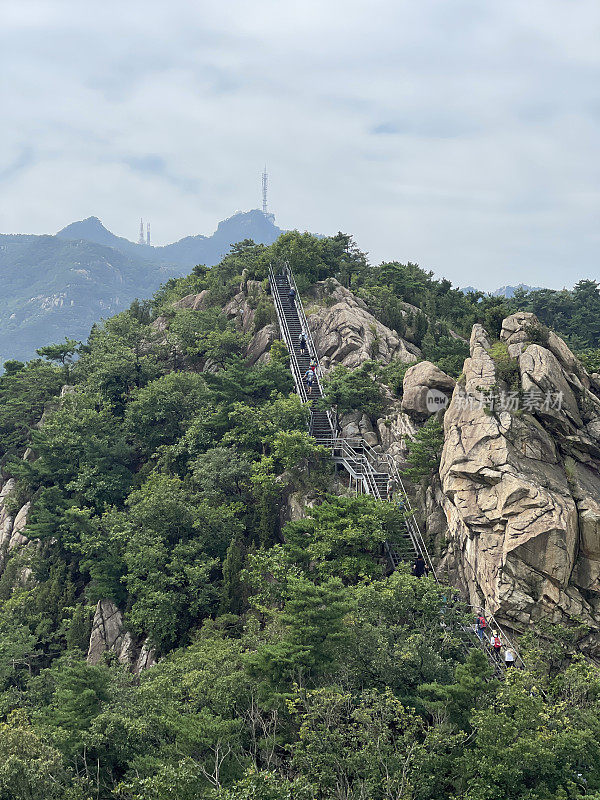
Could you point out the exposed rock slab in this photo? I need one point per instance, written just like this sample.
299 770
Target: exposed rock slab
345 332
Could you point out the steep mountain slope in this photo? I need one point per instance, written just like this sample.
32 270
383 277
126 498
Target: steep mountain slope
166 512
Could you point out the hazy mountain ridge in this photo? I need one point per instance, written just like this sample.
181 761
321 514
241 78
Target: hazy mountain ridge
57 286
186 252
505 291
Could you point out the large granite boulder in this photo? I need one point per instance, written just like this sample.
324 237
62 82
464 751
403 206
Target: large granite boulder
345 332
109 634
242 306
259 346
423 383
195 302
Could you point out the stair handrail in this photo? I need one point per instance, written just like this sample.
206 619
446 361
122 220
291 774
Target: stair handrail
300 387
369 459
366 464
287 271
302 317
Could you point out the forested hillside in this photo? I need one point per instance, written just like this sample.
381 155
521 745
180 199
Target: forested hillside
56 286
172 500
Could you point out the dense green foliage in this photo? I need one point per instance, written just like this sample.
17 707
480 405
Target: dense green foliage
291 664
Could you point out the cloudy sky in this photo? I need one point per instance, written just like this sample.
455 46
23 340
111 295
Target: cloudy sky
460 134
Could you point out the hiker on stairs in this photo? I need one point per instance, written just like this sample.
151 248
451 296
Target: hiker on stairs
480 626
509 657
496 644
292 297
302 344
419 567
391 488
309 377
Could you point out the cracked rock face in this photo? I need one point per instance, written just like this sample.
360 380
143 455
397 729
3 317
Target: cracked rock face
521 491
109 635
345 332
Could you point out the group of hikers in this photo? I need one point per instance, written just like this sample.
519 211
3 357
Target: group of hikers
494 642
310 376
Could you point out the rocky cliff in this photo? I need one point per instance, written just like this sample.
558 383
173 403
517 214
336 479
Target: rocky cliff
520 480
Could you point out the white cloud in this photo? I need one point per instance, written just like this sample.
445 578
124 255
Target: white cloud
460 135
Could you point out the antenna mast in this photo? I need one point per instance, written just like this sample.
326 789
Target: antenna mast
148 234
265 185
141 239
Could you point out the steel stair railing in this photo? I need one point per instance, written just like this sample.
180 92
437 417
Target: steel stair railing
283 327
309 340
362 462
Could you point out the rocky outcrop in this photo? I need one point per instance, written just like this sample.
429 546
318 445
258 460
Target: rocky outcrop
345 332
17 538
6 519
195 302
357 425
242 307
426 389
110 636
520 487
395 430
258 349
11 527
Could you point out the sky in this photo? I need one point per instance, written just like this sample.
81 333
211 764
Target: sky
459 134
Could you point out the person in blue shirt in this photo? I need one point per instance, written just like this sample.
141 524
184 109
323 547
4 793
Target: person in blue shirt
309 377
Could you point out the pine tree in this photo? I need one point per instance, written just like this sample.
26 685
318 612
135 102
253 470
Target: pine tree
232 599
424 452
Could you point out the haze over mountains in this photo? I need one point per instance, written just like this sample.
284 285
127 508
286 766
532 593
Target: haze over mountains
57 286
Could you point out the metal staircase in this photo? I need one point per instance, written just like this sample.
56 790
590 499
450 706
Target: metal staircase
369 470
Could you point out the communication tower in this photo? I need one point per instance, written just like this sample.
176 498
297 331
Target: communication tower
141 239
148 234
265 185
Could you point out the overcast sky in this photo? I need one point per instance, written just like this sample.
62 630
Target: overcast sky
460 134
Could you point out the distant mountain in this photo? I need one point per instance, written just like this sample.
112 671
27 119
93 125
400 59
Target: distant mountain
186 252
57 286
505 291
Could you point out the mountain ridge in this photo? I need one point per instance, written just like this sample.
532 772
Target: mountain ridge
57 285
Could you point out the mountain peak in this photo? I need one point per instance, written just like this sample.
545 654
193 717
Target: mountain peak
90 229
258 225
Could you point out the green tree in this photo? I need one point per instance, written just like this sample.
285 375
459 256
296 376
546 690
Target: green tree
172 557
315 638
232 591
425 449
161 411
62 352
354 389
31 768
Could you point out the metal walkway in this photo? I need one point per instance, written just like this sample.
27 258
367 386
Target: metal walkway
369 470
